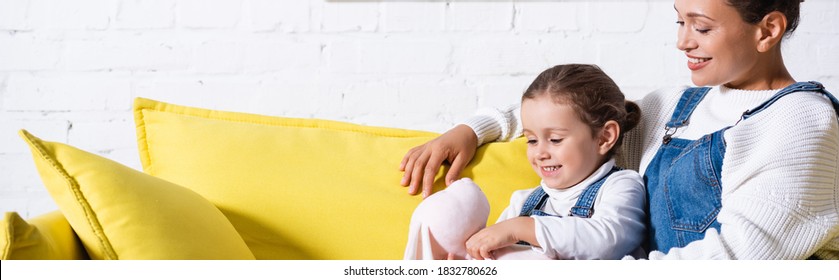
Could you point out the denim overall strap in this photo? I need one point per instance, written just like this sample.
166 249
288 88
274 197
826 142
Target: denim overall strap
799 86
533 206
585 204
681 116
535 202
683 182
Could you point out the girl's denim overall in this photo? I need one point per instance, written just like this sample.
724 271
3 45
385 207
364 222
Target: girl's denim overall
683 178
584 208
585 204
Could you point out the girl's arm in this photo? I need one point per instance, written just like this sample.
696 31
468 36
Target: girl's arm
502 234
616 229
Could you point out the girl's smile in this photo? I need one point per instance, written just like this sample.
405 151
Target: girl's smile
550 171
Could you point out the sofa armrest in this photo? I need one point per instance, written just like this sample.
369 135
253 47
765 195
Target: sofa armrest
45 237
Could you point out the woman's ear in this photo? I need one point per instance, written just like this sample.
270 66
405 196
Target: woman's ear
771 29
608 137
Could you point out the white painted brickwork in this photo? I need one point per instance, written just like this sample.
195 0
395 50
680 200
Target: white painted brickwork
69 69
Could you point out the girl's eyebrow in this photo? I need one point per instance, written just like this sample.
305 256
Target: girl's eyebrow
559 129
694 14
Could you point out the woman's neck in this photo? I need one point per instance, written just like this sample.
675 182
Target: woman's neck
770 74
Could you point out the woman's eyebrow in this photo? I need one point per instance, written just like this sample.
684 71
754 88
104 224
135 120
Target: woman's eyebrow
694 14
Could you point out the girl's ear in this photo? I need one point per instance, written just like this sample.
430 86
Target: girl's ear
770 30
608 136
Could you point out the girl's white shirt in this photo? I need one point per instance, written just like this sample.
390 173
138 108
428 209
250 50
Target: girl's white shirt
615 229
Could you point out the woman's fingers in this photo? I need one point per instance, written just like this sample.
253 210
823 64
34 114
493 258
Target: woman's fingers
458 165
407 165
417 172
407 158
433 165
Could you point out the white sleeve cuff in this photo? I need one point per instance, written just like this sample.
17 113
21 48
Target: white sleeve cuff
491 124
485 128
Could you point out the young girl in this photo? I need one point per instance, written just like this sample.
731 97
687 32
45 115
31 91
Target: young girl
721 184
574 118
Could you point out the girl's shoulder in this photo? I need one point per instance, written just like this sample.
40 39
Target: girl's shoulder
627 186
522 193
624 178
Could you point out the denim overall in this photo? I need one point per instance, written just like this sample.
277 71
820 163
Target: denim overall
585 204
584 207
683 178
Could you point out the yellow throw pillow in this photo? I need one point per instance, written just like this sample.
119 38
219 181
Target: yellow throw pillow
307 188
121 213
47 237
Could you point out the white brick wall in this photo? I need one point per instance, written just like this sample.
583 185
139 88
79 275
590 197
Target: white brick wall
69 70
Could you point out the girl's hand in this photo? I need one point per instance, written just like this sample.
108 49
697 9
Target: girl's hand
503 234
421 164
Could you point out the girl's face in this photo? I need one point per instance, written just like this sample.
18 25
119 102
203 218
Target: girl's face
560 147
721 48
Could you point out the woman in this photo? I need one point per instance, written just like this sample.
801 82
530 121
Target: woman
721 184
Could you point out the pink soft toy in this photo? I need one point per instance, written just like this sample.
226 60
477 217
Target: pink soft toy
443 222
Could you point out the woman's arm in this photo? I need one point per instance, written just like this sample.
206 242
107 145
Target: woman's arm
457 147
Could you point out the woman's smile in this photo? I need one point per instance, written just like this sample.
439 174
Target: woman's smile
696 63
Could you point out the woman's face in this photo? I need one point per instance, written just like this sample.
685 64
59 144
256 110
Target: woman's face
560 147
721 48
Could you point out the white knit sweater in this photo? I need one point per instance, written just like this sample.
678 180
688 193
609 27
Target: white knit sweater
780 173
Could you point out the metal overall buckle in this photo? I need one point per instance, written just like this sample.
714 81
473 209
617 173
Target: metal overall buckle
668 134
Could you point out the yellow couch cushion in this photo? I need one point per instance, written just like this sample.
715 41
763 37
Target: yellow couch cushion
306 188
46 237
121 213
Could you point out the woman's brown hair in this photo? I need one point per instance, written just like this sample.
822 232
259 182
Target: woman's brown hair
594 96
753 11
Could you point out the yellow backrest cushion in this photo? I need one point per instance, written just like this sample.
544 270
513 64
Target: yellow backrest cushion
121 213
306 188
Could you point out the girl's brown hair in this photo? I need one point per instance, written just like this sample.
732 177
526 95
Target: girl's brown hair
594 96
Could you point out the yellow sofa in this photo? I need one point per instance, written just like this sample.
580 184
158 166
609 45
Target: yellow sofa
227 185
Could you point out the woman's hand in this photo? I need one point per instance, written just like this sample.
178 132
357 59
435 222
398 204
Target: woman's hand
457 146
503 234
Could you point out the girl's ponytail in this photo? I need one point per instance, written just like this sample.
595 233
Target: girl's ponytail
633 116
